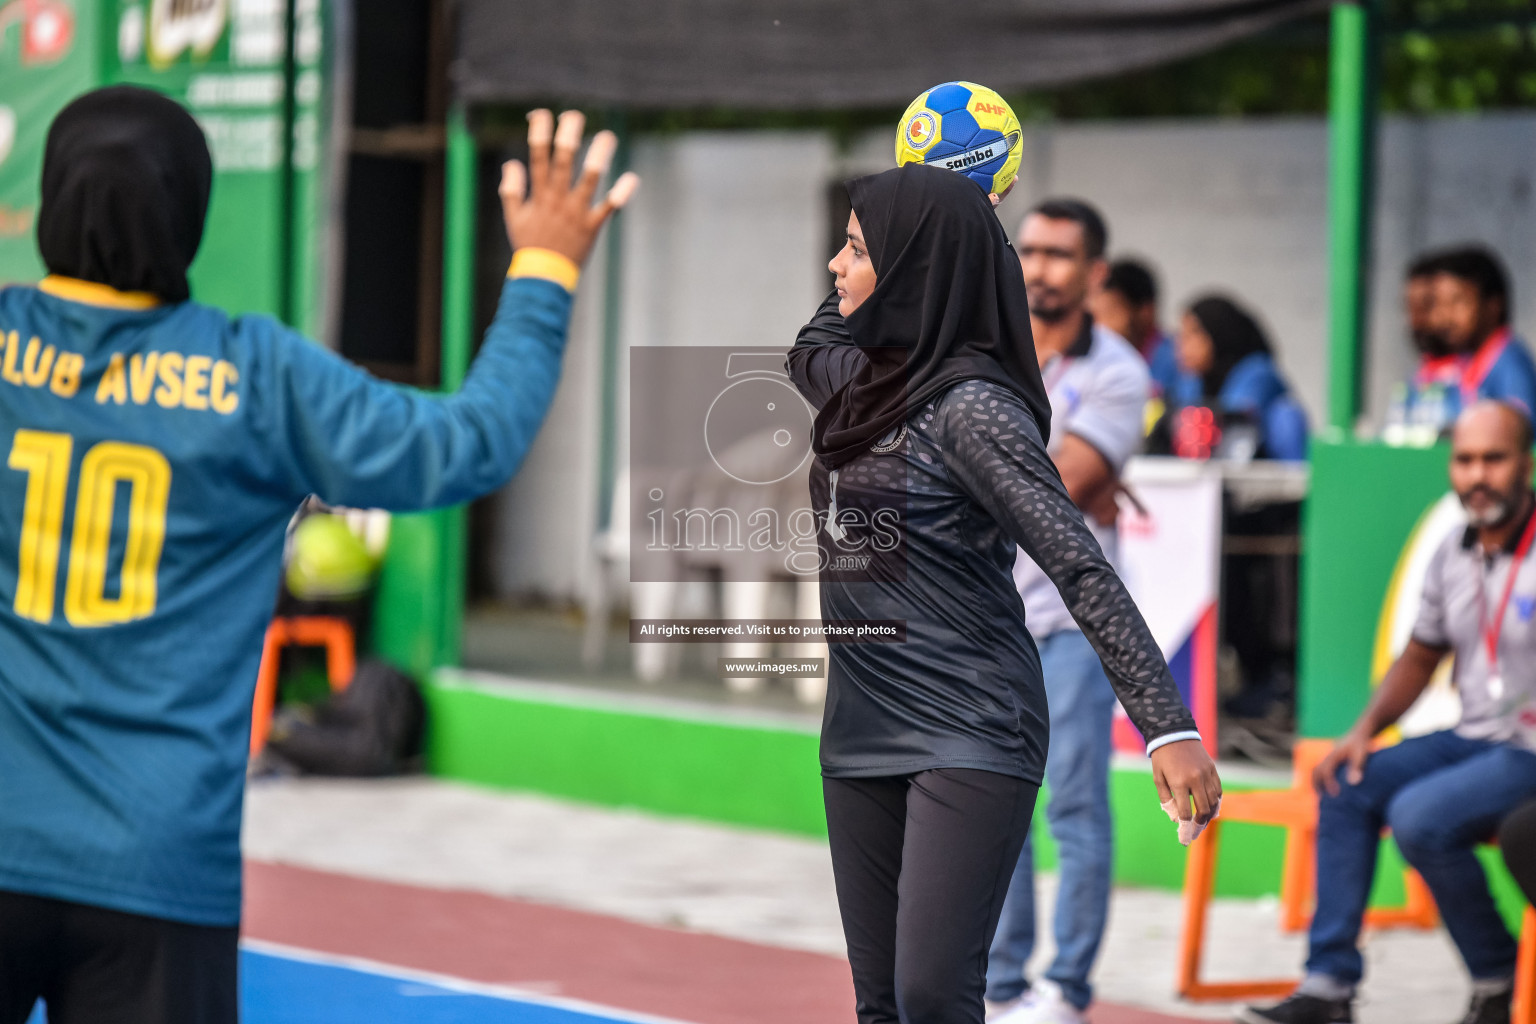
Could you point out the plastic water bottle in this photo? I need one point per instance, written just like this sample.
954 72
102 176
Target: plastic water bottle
1429 416
1395 431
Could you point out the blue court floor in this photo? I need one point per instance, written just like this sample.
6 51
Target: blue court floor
288 989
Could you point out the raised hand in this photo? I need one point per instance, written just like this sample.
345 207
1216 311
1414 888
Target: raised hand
553 213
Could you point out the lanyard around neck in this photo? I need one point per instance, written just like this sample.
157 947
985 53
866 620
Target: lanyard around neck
1480 365
1491 630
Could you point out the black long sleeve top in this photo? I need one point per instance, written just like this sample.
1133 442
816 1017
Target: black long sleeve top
969 477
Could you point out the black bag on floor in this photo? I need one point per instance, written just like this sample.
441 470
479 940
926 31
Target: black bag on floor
373 727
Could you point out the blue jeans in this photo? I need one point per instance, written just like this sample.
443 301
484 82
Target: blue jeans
1441 795
1082 706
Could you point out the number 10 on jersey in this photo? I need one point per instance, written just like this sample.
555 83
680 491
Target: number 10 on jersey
46 459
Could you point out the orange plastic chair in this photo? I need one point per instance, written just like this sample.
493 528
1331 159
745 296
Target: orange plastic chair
1295 810
1524 1009
334 634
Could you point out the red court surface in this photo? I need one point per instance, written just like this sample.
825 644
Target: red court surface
686 976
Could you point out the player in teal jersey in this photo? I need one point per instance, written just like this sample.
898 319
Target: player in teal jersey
154 450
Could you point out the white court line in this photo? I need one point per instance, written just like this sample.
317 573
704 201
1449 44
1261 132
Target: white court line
451 983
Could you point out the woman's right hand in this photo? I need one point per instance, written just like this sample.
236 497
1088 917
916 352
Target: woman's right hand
541 207
1185 774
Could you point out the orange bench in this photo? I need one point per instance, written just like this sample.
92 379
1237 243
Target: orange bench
334 634
1294 810
1524 1009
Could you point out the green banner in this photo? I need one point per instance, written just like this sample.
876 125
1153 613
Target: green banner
1364 503
227 60
45 60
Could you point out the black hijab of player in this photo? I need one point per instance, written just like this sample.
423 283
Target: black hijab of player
126 178
948 305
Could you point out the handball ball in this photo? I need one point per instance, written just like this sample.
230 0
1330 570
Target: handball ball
328 561
963 127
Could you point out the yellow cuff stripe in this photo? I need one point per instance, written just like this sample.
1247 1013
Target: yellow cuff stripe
546 264
94 294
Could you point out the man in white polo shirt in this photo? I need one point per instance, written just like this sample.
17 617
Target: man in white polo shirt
1098 386
1444 793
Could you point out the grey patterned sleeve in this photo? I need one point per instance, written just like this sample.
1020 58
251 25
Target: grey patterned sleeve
993 450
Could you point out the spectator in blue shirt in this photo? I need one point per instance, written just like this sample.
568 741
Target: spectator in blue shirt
1231 400
1471 313
1232 403
1127 305
1458 307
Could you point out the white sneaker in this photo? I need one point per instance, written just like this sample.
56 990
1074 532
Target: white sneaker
1043 1004
996 1010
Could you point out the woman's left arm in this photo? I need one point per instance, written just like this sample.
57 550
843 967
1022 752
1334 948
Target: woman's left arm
993 449
824 357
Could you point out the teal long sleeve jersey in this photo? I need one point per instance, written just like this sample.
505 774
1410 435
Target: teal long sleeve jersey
153 456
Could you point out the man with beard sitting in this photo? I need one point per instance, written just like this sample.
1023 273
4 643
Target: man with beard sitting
1444 793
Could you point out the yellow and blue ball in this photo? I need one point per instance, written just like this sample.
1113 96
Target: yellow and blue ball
965 127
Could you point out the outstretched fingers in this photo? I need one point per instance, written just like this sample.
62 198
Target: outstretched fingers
599 157
622 191
542 206
514 187
567 142
541 131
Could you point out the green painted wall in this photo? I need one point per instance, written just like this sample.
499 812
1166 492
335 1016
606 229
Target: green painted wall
714 767
691 766
1363 504
414 619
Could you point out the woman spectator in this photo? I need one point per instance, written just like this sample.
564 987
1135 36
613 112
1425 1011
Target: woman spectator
1231 401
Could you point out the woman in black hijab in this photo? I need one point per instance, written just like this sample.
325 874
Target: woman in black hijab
126 179
930 472
126 683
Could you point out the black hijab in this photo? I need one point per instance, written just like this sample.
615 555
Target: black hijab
948 305
1235 336
126 176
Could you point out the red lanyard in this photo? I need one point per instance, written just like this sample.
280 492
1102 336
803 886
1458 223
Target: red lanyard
1434 370
1491 630
1477 368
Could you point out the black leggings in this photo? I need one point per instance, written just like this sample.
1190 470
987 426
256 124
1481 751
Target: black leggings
922 863
97 966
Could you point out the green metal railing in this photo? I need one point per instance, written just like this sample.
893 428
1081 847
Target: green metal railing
1351 153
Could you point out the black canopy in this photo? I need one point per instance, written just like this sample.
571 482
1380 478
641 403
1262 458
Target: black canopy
810 54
